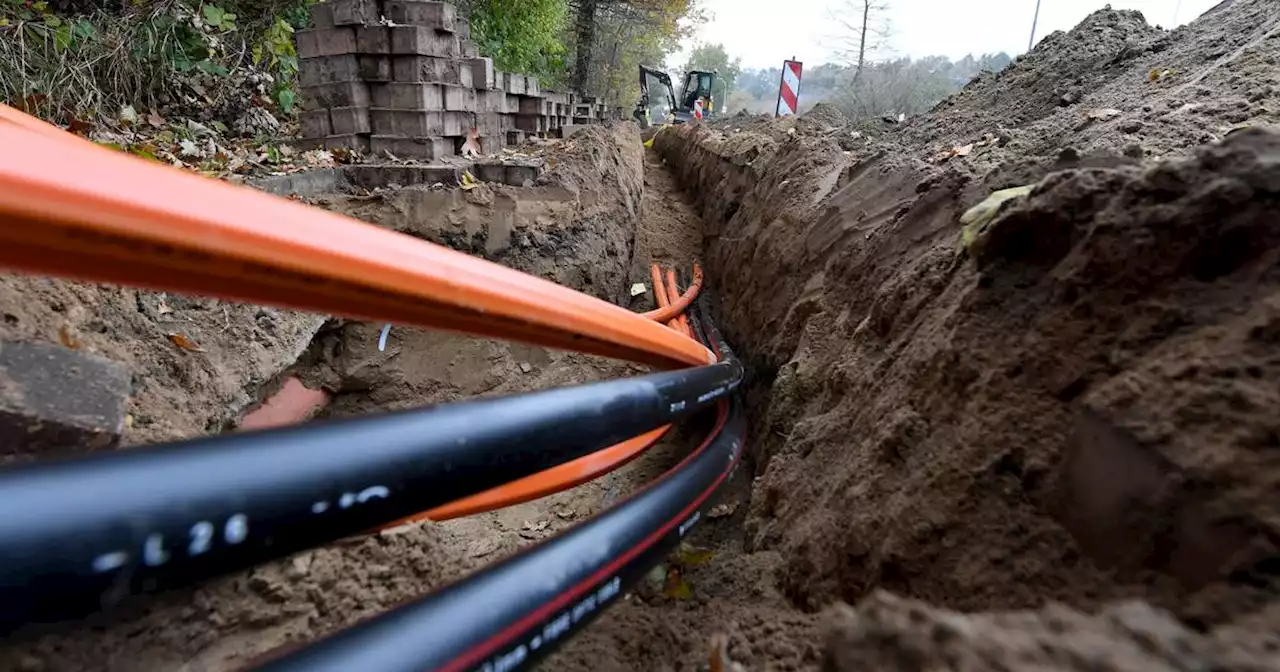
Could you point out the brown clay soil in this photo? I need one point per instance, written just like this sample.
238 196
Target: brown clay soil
1075 403
1049 441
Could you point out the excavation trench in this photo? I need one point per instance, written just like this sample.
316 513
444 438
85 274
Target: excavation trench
1061 419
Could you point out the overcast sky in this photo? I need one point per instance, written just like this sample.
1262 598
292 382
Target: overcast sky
764 32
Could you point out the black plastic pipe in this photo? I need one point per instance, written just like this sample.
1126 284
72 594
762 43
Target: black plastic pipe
512 614
78 536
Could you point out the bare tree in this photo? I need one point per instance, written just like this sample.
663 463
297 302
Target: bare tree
863 32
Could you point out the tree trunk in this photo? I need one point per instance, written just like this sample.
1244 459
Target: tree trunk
862 40
585 28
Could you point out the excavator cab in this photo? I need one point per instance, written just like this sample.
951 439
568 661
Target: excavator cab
698 84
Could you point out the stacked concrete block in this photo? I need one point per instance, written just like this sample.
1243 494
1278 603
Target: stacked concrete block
403 77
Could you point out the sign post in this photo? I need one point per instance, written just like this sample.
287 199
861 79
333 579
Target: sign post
789 89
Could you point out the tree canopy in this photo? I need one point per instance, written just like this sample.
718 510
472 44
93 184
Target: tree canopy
713 57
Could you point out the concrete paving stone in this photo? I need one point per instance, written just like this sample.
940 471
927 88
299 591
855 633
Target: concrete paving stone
376 68
432 69
336 94
439 16
459 98
406 96
528 105
353 12
326 42
315 123
349 120
462 27
373 40
358 142
328 69
422 149
53 397
423 41
374 176
490 170
518 175
531 87
468 49
482 73
418 123
514 83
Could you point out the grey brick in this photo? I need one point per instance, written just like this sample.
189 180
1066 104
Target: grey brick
419 123
353 12
468 49
459 98
376 176
482 73
328 69
356 142
436 15
462 27
349 120
405 96
423 149
531 87
491 171
315 123
322 15
373 39
326 42
530 105
337 94
376 68
514 83
52 397
432 69
422 41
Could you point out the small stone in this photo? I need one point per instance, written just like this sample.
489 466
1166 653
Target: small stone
1134 151
1131 125
526 367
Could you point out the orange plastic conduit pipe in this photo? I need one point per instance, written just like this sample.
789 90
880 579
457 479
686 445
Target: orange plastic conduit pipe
568 475
679 322
76 210
681 304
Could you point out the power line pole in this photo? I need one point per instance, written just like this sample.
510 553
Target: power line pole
1036 19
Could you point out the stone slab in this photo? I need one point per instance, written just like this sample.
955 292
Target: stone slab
423 149
335 94
418 123
416 40
53 397
326 42
439 16
432 69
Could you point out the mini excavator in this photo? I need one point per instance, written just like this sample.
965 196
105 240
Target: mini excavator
698 85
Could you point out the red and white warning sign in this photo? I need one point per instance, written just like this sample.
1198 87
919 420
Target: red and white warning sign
697 109
789 91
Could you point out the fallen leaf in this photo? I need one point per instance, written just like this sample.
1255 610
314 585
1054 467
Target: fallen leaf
688 555
723 510
185 343
963 151
675 586
79 126
468 181
155 119
64 335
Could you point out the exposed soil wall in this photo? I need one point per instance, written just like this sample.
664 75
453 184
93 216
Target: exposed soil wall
577 226
1079 405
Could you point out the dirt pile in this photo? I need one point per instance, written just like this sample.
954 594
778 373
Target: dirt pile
578 226
1080 408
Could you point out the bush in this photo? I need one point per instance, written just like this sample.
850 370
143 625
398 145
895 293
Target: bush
74 59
